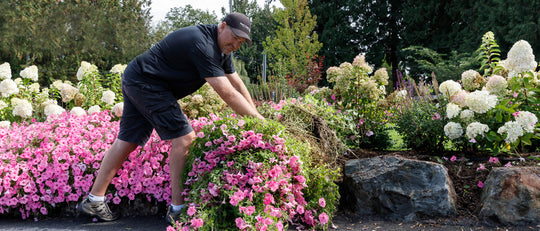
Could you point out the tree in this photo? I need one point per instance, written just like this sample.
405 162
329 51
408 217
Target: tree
263 25
179 17
57 35
295 43
334 30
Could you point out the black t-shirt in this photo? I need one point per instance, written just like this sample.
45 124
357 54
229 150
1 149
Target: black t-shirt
180 62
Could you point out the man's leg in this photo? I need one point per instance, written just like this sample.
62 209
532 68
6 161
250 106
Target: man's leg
112 161
177 160
95 203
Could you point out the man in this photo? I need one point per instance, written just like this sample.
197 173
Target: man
151 85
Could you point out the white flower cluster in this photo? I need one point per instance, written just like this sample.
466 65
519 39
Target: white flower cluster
481 101
401 94
108 97
67 92
5 124
452 110
360 61
526 120
5 71
475 128
30 73
459 98
53 109
381 76
453 130
118 68
471 80
466 115
497 85
520 59
513 131
118 109
94 109
449 88
78 111
84 69
22 108
3 104
8 87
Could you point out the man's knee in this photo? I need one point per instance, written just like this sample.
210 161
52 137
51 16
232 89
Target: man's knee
184 141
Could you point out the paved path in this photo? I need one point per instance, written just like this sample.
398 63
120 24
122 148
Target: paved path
150 223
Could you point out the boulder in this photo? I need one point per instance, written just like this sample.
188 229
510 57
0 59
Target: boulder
398 188
511 196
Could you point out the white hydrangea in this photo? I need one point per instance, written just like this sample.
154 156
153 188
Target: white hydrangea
360 61
470 80
449 88
118 109
53 109
84 69
526 120
513 131
18 81
381 76
48 102
8 87
459 98
108 97
3 104
5 124
94 109
67 92
57 84
5 71
453 130
401 94
78 111
520 59
466 115
497 85
34 87
22 108
481 101
452 110
118 68
30 73
475 128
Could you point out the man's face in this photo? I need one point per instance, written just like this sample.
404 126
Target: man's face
227 40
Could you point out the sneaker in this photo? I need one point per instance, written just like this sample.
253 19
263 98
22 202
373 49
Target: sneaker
171 216
100 209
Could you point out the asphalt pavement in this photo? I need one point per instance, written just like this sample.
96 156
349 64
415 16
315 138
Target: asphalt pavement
342 221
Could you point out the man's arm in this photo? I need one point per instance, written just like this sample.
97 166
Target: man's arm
233 97
239 85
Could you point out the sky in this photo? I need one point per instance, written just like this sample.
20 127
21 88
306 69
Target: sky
159 8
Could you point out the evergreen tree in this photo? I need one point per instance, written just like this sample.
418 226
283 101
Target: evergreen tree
295 44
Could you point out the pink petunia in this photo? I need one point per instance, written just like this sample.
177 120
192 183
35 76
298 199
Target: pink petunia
480 184
323 218
481 167
322 202
453 158
191 211
494 160
197 223
268 199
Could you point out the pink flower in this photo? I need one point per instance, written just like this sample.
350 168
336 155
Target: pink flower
200 134
279 226
268 199
453 158
322 202
240 223
480 184
191 210
481 167
333 97
323 218
494 160
436 116
241 123
508 164
197 223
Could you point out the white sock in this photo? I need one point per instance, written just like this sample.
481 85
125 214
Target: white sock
95 198
176 208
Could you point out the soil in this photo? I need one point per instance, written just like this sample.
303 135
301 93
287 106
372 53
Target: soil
462 171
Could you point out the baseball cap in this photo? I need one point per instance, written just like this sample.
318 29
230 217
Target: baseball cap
240 25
